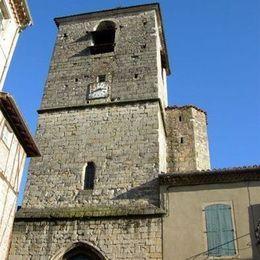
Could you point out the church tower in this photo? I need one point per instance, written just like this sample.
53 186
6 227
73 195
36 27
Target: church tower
100 127
102 137
102 134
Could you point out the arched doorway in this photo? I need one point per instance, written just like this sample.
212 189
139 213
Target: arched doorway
80 251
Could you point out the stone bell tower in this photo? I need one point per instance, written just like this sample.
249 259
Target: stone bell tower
102 106
102 136
105 133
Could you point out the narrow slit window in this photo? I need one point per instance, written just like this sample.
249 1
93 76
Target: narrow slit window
180 118
182 140
90 171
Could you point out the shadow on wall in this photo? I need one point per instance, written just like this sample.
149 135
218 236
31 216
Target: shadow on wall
148 191
254 218
85 52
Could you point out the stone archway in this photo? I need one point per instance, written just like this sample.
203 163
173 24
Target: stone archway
79 251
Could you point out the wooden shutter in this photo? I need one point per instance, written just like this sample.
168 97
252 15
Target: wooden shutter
220 233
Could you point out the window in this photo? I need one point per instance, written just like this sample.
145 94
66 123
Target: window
219 230
89 176
101 78
7 136
103 38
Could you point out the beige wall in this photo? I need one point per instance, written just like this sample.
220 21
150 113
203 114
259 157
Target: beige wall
8 38
184 227
12 158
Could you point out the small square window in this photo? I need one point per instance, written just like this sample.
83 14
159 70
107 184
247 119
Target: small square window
7 136
101 78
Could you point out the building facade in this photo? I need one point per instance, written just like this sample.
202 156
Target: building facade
14 17
106 134
16 144
217 212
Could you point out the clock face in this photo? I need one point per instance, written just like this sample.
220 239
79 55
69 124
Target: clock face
99 90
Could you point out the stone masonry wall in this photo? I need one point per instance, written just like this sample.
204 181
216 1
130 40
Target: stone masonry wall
201 140
122 141
187 143
132 238
132 67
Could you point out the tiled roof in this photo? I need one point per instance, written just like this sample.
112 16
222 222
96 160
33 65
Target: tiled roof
227 175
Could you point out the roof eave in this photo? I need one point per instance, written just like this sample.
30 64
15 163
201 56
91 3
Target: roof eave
22 13
18 125
221 176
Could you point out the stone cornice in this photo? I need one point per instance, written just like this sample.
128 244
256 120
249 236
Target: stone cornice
81 212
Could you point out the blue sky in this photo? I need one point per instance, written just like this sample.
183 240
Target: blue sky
214 52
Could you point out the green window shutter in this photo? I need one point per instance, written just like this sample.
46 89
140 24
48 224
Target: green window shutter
220 233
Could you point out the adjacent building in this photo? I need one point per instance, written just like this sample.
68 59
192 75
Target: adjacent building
211 214
16 143
122 175
14 17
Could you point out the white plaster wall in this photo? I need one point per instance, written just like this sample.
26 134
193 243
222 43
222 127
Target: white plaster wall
184 226
8 40
7 211
11 166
